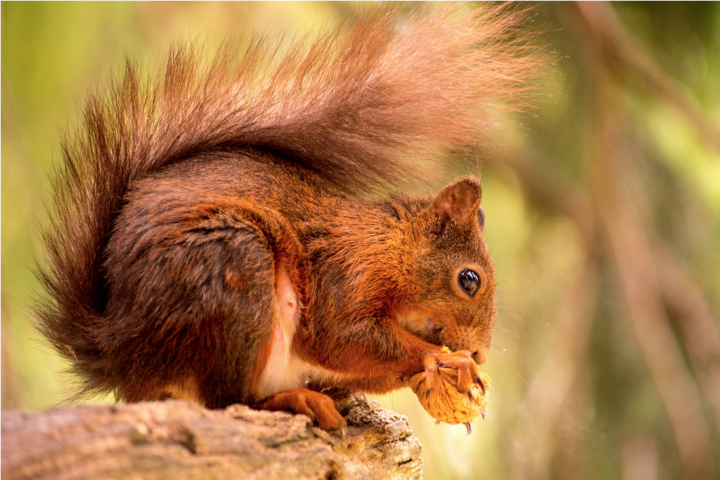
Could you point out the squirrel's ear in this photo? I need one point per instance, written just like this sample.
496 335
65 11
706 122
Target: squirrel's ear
459 201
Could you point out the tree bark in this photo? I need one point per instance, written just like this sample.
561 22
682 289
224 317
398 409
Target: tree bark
179 440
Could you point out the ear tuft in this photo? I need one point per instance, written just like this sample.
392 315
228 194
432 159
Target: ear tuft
460 200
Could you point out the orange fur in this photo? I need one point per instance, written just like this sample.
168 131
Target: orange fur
208 214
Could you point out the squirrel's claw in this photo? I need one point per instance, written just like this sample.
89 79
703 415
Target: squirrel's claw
431 366
468 425
480 382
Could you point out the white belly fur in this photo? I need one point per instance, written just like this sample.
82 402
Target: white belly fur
284 370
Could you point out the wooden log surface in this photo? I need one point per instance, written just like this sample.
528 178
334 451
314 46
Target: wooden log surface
179 440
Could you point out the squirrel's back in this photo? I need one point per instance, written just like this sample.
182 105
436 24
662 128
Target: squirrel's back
348 106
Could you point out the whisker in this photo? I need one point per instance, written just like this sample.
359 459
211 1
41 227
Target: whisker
513 367
512 279
537 319
513 353
512 314
516 335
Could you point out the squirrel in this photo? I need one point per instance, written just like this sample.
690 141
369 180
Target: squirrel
214 236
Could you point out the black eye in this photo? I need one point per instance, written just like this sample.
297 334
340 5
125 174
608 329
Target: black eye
469 281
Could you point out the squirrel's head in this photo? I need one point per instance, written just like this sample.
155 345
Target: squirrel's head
455 303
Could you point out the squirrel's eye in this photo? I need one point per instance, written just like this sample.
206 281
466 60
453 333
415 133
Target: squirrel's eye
469 281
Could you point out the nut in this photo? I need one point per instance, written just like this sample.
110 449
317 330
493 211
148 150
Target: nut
445 403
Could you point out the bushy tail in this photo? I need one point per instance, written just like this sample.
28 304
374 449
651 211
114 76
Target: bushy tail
350 105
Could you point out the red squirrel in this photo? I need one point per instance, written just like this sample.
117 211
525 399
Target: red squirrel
212 237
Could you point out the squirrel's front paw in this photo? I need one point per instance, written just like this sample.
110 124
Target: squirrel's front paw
462 361
315 405
452 389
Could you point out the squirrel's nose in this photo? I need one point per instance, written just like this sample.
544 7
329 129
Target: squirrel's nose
480 355
457 339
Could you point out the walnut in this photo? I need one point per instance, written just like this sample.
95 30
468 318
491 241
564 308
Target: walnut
445 403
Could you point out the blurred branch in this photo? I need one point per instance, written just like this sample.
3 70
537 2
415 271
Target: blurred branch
634 263
650 276
639 457
556 381
650 273
637 269
624 51
544 192
697 323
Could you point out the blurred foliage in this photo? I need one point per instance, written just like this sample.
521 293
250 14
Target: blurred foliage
603 208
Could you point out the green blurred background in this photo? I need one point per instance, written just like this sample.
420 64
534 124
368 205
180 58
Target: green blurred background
603 208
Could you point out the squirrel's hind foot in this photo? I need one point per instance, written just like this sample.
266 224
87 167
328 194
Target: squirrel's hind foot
319 407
